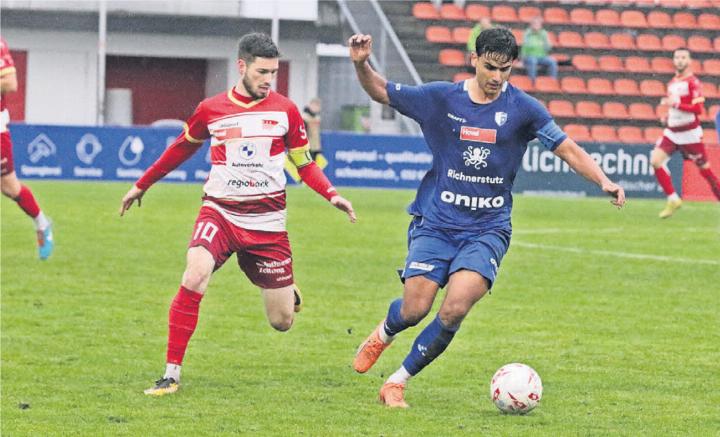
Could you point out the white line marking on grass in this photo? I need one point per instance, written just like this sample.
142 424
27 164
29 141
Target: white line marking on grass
673 259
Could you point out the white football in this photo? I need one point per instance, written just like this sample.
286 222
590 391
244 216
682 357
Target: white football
516 388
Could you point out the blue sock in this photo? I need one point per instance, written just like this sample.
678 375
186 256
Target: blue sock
394 323
431 342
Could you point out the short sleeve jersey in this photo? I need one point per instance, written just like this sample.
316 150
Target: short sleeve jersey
477 150
7 65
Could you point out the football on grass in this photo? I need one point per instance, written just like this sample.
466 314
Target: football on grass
516 388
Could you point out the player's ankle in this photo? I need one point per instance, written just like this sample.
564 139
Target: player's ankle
172 371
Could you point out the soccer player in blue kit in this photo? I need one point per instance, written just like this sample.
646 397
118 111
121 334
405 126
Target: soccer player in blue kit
477 131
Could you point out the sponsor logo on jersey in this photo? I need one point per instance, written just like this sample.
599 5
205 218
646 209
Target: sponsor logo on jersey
239 183
472 202
462 177
476 157
500 118
456 118
228 134
247 151
478 135
269 124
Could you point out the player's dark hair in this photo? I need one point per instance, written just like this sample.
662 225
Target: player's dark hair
498 42
256 45
682 49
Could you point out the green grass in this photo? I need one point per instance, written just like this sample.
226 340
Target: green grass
625 345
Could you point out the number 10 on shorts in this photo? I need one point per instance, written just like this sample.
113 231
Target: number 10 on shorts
206 231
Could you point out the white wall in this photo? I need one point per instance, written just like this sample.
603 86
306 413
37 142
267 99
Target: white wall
303 69
301 10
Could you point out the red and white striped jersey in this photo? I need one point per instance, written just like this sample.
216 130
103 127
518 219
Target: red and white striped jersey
685 94
7 66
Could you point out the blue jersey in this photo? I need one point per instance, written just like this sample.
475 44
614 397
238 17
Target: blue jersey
477 150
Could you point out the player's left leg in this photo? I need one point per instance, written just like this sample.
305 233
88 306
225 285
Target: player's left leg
698 154
279 306
711 178
658 159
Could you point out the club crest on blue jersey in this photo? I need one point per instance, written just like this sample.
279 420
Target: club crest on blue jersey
500 118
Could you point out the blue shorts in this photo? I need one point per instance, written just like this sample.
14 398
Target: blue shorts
437 253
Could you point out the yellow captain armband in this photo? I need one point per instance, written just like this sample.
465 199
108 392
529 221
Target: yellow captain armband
300 156
697 100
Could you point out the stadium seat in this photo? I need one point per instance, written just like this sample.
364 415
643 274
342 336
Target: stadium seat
588 109
641 111
662 65
696 66
582 17
677 4
461 34
645 3
648 41
578 132
439 34
622 41
652 134
561 108
712 67
716 43
684 20
527 13
547 84
600 86
698 4
652 88
630 135
425 11
570 39
710 136
604 134
597 40
518 34
671 42
504 14
522 82
611 63
710 90
615 110
635 19
659 20
462 76
637 64
699 43
585 63
626 87
709 21
554 15
475 12
573 85
451 57
661 111
710 114
607 17
450 11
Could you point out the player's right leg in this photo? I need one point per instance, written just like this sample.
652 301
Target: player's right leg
658 158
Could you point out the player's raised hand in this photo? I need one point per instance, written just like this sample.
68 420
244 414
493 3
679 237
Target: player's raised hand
132 195
617 192
343 204
360 47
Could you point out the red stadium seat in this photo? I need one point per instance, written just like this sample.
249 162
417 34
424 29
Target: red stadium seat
626 87
585 63
547 84
607 17
440 34
652 88
597 40
504 14
554 15
522 82
588 109
696 66
710 90
648 41
622 41
713 111
716 43
699 43
652 134
662 65
661 111
659 20
709 21
527 13
611 63
578 132
475 12
518 34
425 11
461 34
604 134
570 39
630 135
637 64
451 58
684 20
671 42
712 67
450 11
641 111
633 19
462 76
710 136
600 86
561 108
615 110
573 85
582 17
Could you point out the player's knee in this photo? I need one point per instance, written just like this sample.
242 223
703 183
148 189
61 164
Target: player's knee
282 323
452 315
196 278
414 313
657 160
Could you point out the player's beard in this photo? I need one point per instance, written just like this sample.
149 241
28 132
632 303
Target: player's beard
249 88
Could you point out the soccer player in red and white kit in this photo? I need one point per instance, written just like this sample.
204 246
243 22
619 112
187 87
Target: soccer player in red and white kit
683 131
11 186
243 212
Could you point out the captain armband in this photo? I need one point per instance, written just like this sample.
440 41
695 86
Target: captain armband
300 156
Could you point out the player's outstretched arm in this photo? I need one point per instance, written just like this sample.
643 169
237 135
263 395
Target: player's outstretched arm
579 160
130 197
372 82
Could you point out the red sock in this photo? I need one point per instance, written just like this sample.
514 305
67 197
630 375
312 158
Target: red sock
663 178
182 322
26 201
712 180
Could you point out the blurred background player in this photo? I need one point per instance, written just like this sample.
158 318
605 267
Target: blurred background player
683 132
477 131
536 50
243 210
481 25
11 185
311 117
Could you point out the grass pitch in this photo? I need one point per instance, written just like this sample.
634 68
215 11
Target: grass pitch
618 311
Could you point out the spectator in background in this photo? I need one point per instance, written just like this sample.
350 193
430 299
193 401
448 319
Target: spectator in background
536 50
311 117
481 25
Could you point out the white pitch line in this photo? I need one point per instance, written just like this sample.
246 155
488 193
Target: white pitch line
618 254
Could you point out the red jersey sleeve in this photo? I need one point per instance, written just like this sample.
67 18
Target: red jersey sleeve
7 65
693 102
296 135
185 145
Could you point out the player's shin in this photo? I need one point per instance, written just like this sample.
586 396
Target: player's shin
712 179
431 342
394 322
663 177
183 319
